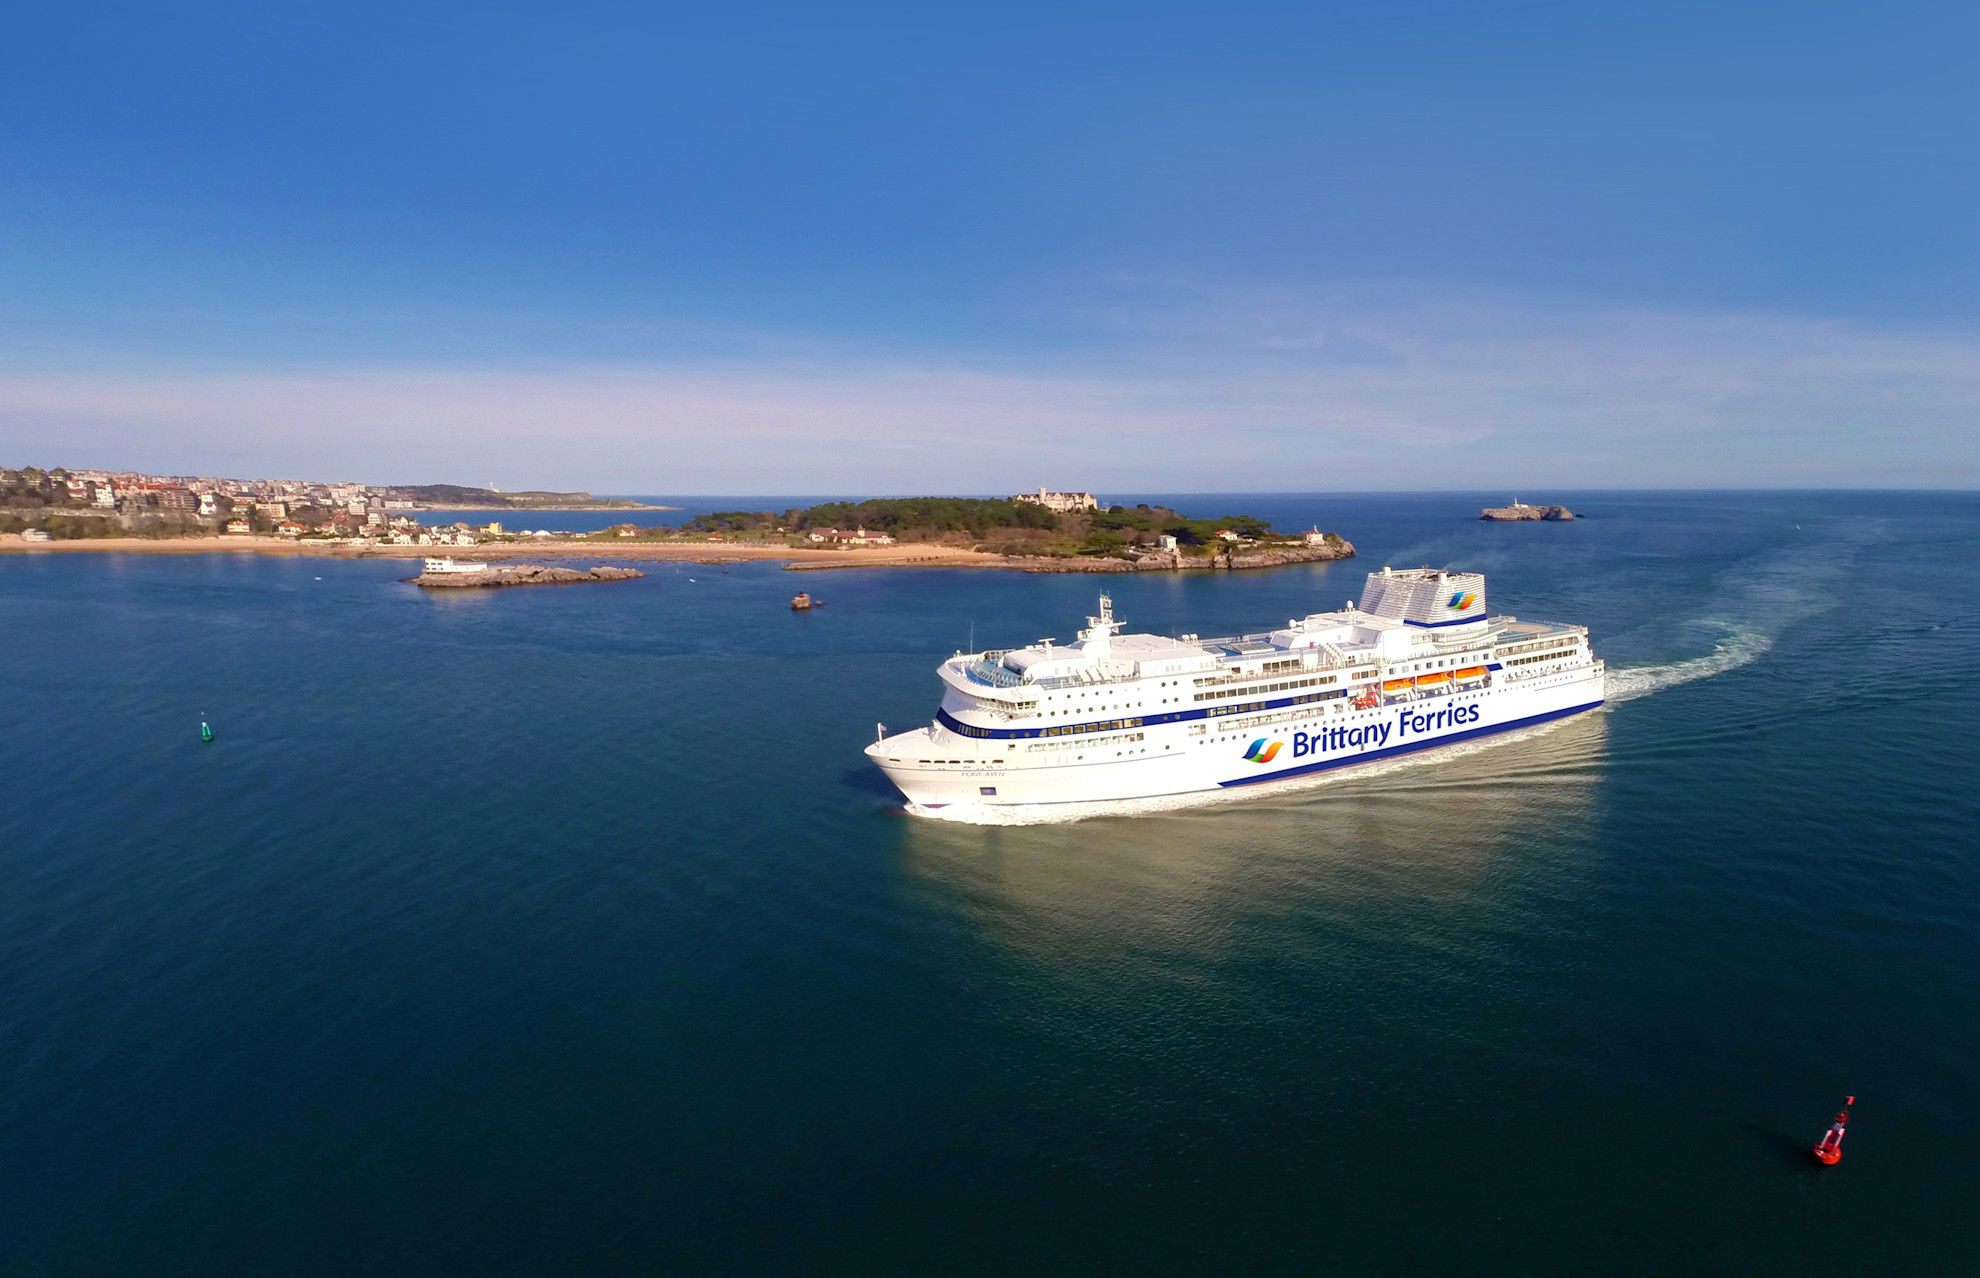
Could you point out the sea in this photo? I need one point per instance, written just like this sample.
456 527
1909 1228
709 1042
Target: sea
567 930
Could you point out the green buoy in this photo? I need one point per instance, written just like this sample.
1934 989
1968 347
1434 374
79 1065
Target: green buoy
205 731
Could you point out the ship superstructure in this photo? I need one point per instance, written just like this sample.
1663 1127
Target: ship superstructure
1416 664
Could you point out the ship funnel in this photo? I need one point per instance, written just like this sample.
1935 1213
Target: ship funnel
1428 597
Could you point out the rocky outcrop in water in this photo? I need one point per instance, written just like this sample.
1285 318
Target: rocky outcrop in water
521 575
1519 512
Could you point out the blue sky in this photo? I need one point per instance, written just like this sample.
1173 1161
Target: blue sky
909 248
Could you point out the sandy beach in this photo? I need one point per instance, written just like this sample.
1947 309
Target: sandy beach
711 553
794 559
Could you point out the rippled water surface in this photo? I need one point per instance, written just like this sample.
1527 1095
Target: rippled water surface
565 929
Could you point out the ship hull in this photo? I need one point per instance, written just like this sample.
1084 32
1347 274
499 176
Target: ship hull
936 768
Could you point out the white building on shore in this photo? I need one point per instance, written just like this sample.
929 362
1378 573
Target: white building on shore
1060 503
859 538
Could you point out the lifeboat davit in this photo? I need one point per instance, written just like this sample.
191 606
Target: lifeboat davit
1828 1151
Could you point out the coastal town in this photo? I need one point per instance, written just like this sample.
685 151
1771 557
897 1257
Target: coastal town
61 504
1044 530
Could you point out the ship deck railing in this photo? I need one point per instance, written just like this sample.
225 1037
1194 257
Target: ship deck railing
1516 631
989 671
992 675
1083 679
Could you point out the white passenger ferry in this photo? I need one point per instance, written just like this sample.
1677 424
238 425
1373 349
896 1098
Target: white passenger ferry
1418 664
448 564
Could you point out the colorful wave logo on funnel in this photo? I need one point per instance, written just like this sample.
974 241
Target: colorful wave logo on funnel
1462 599
1262 753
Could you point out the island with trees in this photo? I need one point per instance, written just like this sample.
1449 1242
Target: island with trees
1015 532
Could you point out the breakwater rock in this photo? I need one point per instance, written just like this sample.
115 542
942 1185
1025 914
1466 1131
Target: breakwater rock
1520 511
521 575
1175 561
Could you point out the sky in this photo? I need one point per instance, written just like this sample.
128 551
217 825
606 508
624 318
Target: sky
898 248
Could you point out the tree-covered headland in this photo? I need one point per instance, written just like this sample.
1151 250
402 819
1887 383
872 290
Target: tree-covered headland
993 524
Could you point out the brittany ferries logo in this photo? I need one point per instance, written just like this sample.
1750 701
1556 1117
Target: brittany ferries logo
1262 753
1461 600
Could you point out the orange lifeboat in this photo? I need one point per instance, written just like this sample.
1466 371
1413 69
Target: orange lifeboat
1470 674
1436 680
1398 685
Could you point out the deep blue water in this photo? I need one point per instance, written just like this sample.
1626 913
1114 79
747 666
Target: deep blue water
565 930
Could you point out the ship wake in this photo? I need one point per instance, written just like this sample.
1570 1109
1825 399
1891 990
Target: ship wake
1751 605
1740 648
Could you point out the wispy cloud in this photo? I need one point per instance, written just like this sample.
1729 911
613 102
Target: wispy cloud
1178 387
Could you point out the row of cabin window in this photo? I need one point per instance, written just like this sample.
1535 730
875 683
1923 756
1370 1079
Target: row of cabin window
1569 642
1255 690
1452 662
1545 656
1087 745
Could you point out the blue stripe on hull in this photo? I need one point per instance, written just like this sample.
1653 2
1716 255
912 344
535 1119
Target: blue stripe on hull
1428 743
962 729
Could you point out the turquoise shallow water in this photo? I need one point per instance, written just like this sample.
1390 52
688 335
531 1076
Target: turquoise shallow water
565 930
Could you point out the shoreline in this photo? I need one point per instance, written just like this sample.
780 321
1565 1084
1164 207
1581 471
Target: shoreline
797 559
11 543
594 509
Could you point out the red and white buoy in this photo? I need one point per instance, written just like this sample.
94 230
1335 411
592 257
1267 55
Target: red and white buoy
1829 1151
